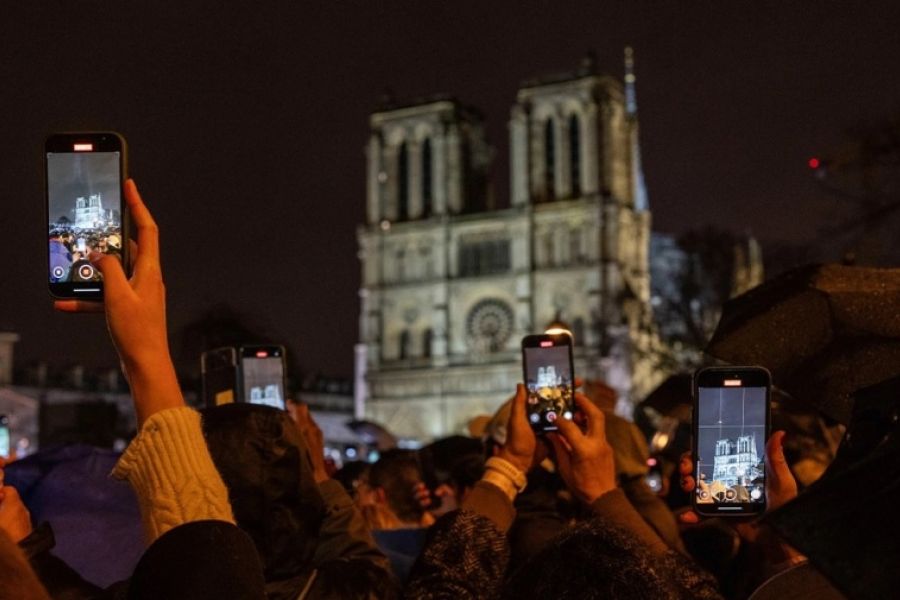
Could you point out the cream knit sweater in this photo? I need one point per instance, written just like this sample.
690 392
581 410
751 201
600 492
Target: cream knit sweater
172 473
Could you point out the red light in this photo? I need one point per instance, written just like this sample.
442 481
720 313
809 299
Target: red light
651 462
83 147
262 354
547 344
814 163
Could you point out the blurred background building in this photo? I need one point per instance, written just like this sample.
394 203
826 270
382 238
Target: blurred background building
450 283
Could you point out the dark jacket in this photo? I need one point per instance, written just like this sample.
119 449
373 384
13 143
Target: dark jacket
466 555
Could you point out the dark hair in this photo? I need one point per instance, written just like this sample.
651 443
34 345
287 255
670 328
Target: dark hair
465 472
352 579
397 472
591 560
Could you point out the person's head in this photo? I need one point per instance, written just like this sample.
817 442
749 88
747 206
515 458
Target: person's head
591 560
354 476
465 473
394 478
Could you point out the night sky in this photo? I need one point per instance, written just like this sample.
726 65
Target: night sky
246 124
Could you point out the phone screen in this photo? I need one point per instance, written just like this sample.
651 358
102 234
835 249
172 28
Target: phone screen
84 210
4 437
731 426
549 379
262 371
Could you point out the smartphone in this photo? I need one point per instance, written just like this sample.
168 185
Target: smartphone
549 376
219 376
262 375
4 437
730 428
85 210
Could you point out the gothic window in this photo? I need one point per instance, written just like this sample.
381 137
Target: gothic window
549 160
578 331
576 254
426 178
575 154
400 264
549 249
489 325
404 345
484 257
402 183
426 343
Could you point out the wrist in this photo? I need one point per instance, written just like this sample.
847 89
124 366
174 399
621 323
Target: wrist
520 463
504 475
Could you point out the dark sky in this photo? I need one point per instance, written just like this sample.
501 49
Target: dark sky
246 124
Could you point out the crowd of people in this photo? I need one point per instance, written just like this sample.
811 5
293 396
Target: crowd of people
69 250
239 502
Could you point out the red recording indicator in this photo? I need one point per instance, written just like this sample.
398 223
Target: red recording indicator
262 354
547 344
732 383
83 147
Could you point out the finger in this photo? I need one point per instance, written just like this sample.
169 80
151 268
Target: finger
596 426
775 461
686 464
132 254
78 306
517 409
689 517
148 232
114 280
560 452
579 382
570 432
688 484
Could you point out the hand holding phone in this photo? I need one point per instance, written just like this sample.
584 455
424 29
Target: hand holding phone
585 460
136 316
549 376
86 213
730 429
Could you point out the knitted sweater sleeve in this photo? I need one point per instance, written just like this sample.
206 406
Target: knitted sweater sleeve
169 467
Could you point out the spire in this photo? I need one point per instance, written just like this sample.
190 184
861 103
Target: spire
639 191
630 96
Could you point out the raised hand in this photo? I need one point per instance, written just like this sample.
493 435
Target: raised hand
15 521
520 440
585 460
136 315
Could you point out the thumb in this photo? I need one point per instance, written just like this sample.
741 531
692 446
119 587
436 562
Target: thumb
781 486
114 280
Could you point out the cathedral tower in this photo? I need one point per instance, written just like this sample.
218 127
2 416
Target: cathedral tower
451 284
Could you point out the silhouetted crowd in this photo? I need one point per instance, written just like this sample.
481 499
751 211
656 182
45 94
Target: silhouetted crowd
238 501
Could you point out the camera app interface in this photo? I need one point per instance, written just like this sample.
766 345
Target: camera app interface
731 445
85 212
549 384
263 381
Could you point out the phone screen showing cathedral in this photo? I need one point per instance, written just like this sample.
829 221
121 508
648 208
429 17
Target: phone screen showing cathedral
548 375
85 212
732 436
264 381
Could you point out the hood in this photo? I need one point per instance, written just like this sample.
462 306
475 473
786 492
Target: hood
264 462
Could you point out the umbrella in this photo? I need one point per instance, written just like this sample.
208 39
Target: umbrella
846 522
672 397
823 331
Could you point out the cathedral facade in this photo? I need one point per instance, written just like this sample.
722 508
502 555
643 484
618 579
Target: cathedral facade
450 283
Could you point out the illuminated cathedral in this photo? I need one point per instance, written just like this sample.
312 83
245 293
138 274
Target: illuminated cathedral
451 282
